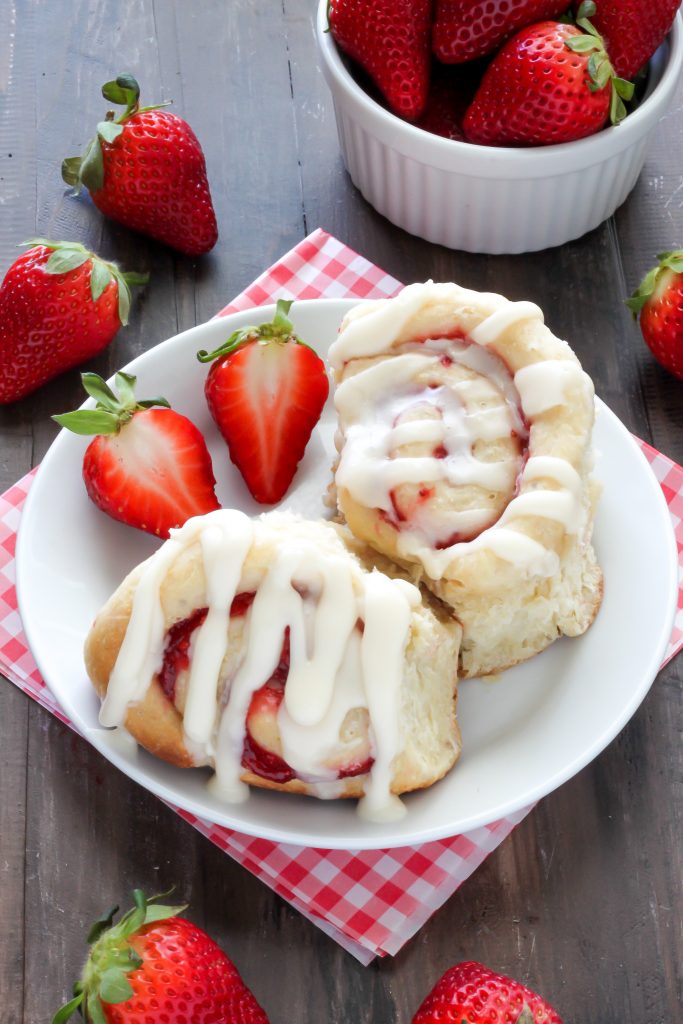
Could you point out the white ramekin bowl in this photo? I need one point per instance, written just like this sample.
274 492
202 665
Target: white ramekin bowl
484 198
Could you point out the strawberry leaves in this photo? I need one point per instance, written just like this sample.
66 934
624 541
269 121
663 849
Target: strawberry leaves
279 329
111 412
672 260
88 170
112 958
124 90
68 256
600 70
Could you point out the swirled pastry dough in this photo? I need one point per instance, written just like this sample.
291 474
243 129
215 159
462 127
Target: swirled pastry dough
465 454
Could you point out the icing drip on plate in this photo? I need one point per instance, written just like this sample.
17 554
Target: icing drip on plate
347 630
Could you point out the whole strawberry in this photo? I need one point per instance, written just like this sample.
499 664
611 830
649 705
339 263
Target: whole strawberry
266 390
59 305
470 993
157 968
550 83
147 467
659 301
464 30
451 91
633 30
146 170
390 39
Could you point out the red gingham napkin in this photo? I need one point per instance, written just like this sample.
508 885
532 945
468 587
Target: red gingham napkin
371 902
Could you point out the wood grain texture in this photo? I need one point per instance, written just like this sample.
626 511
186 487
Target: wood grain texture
584 900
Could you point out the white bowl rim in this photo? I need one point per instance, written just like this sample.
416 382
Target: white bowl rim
500 161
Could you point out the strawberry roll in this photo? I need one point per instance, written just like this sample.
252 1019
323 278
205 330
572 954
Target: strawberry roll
274 650
465 456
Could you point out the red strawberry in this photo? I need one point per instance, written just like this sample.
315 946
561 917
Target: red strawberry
549 83
146 170
465 29
633 30
659 301
450 94
266 390
390 40
59 305
472 994
148 467
155 967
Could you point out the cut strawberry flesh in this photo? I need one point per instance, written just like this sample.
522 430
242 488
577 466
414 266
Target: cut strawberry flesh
266 400
155 474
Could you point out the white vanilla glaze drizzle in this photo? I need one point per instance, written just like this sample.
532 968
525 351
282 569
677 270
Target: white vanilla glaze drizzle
370 400
320 596
489 331
542 386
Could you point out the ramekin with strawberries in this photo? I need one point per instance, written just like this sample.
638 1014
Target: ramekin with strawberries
497 127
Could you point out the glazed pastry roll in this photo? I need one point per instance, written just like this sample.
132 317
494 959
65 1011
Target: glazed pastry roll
271 651
464 445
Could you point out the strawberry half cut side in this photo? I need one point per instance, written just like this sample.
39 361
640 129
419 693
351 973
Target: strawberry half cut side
148 466
266 390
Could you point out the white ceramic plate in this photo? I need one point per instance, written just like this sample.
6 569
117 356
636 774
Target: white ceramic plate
523 735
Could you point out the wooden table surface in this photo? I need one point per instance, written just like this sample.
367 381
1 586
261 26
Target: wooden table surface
584 901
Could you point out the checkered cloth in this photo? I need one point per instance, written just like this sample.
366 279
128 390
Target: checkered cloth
370 902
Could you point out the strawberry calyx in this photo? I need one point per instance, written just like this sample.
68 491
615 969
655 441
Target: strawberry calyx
280 330
112 957
67 256
667 261
88 169
526 1016
600 69
111 412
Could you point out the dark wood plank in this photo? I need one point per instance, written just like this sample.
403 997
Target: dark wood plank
583 901
17 161
14 717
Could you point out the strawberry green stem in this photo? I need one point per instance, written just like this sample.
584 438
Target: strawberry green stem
280 329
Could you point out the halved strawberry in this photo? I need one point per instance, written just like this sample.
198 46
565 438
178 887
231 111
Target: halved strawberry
148 467
266 391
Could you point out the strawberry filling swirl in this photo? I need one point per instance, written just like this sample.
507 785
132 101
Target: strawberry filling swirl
265 702
435 439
